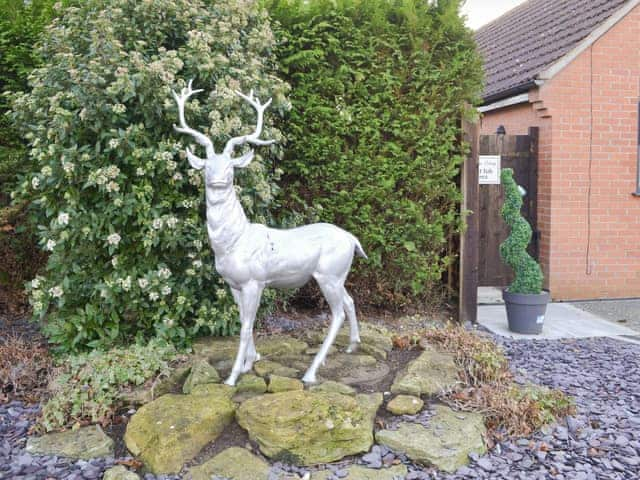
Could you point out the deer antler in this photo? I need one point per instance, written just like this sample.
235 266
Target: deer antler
201 138
253 138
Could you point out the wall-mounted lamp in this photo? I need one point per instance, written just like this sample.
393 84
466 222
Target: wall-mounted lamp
501 130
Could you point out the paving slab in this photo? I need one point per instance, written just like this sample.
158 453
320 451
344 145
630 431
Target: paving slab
561 321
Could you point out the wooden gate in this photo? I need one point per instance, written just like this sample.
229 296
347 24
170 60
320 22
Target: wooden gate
519 152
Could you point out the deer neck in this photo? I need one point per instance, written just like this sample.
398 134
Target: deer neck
226 220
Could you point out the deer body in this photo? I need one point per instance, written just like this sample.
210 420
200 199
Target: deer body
251 257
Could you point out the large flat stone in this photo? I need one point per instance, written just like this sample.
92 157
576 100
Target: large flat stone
429 374
169 383
233 464
308 428
171 430
446 443
84 443
354 369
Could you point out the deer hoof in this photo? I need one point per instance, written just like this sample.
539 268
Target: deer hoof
309 379
230 381
353 347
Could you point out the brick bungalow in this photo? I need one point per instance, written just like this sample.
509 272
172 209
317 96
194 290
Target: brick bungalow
572 69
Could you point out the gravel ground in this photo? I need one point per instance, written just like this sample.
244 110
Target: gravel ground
601 442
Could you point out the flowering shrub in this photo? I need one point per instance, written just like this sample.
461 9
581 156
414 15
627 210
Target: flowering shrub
116 203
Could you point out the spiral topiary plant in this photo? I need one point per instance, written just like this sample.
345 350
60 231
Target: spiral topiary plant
514 249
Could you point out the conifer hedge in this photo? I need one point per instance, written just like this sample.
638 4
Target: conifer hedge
378 91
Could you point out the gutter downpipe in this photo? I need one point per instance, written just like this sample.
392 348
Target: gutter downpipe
637 192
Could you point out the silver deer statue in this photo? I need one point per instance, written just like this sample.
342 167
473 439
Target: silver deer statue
251 257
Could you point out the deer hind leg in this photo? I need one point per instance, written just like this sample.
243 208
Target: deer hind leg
354 331
249 301
333 290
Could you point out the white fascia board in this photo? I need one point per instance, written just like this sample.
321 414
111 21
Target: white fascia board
593 37
507 102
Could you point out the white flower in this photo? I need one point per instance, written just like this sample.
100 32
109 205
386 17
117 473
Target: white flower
197 263
153 296
140 171
177 176
172 222
126 284
68 167
51 244
118 108
37 306
198 244
164 273
56 292
143 282
114 261
46 171
35 182
36 294
35 283
117 202
113 187
63 218
190 271
181 300
168 322
166 290
113 143
157 223
113 239
86 230
171 165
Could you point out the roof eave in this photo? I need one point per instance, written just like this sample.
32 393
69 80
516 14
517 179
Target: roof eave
510 92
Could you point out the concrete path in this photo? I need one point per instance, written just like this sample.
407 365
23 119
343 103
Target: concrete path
563 320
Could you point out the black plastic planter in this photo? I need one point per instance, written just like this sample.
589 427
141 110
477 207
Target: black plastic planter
525 312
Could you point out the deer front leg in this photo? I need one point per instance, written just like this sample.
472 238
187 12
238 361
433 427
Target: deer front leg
249 300
252 355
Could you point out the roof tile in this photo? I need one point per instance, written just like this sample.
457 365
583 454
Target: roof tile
524 41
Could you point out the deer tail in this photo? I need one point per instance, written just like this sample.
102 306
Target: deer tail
358 248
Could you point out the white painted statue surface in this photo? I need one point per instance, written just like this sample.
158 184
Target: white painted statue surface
251 257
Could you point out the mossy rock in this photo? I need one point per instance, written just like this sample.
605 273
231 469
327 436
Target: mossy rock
170 382
375 340
358 472
201 373
249 386
264 368
279 384
333 387
279 345
120 473
405 405
216 349
445 443
308 428
84 443
234 463
429 374
171 430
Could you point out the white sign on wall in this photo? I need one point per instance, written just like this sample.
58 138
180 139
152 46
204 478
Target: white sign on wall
489 170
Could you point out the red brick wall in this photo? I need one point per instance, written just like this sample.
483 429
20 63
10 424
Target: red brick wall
589 127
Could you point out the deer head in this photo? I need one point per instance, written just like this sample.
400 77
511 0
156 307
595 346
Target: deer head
218 167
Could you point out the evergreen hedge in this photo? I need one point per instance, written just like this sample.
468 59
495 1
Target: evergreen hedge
379 88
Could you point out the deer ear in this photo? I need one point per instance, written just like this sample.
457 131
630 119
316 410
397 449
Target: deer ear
196 162
244 160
